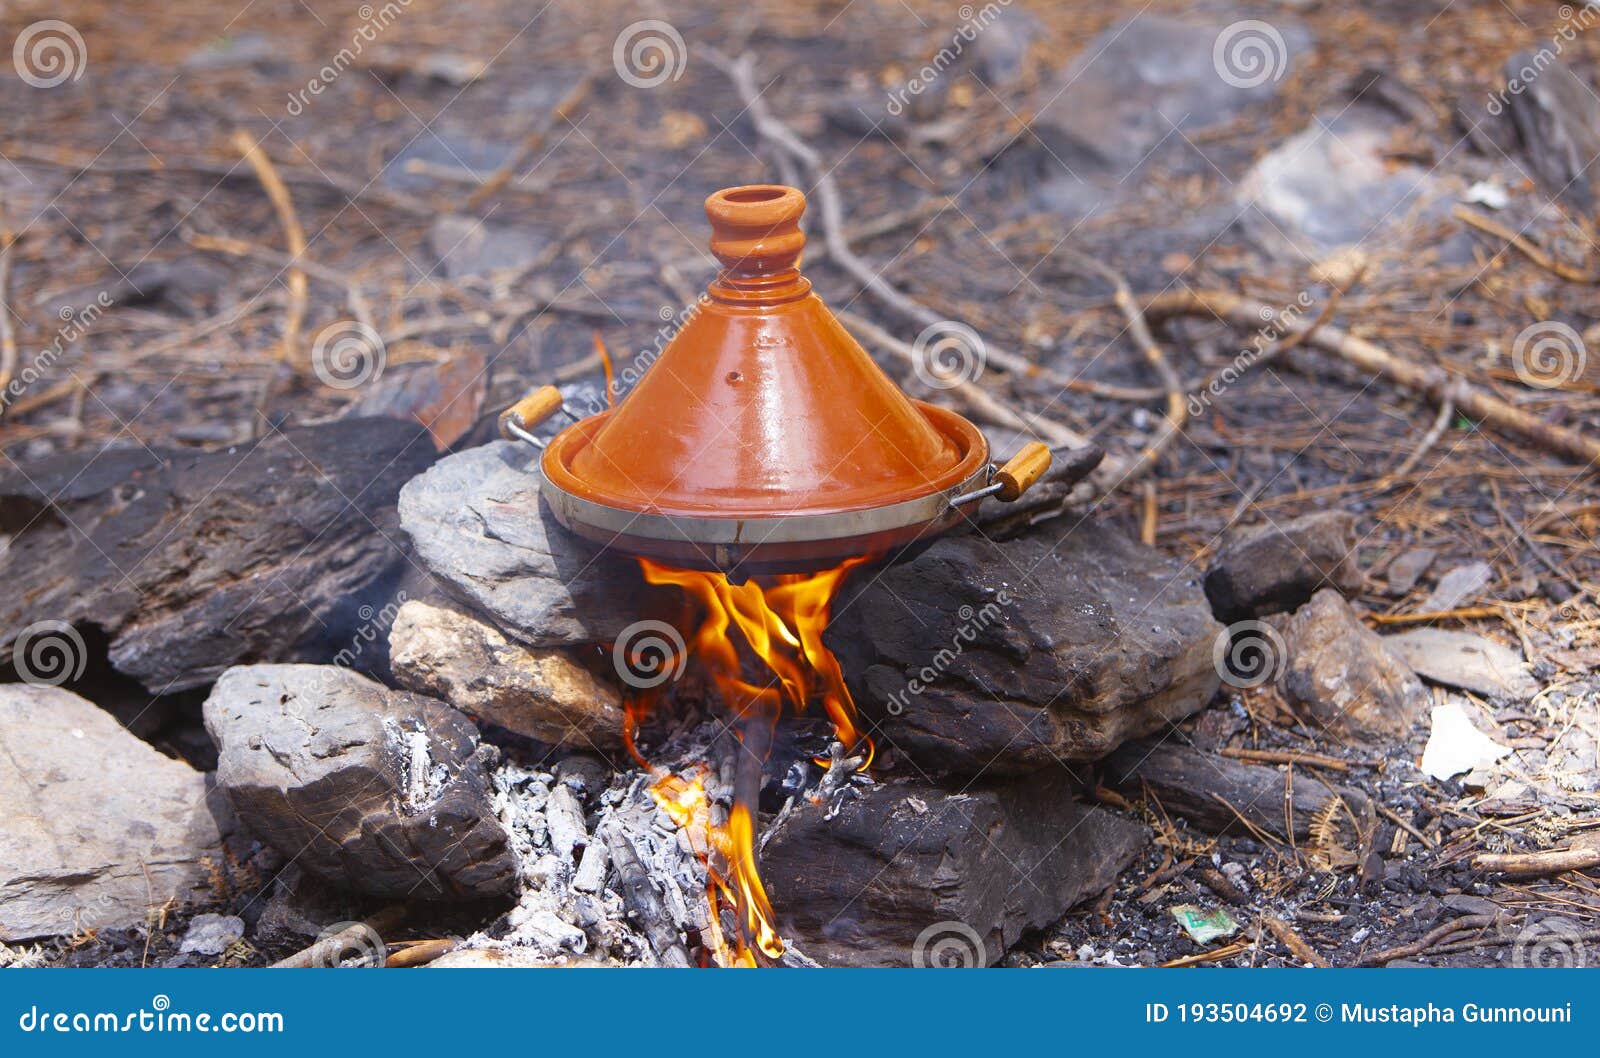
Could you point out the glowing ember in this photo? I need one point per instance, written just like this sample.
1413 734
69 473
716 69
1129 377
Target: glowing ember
780 621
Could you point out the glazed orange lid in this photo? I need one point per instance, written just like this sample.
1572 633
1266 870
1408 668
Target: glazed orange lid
762 405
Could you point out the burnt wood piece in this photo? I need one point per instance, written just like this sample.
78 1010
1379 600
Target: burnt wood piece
1212 792
1280 565
1058 645
908 874
189 562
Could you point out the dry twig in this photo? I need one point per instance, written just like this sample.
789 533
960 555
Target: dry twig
294 237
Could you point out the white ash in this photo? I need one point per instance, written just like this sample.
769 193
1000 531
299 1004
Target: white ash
426 778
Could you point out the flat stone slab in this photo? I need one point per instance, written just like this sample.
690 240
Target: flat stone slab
96 827
477 521
1465 661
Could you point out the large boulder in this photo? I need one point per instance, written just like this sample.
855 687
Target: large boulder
908 874
477 520
382 791
973 657
98 829
540 694
189 562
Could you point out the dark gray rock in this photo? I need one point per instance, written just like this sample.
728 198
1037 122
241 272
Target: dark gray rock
1558 123
1119 102
1345 675
1334 185
1404 572
1055 646
381 791
472 246
189 562
911 875
476 519
97 827
1466 661
212 934
1278 566
1194 785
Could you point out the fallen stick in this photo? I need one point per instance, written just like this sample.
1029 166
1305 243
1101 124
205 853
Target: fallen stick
421 953
1430 382
1434 936
978 400
328 949
8 334
294 236
1525 247
1538 864
531 142
1293 941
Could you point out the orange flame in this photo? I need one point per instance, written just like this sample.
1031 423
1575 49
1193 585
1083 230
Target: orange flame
781 623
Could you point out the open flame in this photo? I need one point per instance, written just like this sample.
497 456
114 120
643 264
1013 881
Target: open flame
780 621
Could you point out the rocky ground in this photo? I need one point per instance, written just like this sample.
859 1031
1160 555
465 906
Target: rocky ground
1303 673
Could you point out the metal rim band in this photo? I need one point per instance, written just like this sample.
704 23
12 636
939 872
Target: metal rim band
750 532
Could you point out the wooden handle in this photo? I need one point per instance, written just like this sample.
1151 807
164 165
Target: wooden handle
531 410
1022 470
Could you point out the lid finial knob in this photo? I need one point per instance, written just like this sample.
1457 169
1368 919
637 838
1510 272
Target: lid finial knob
755 230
